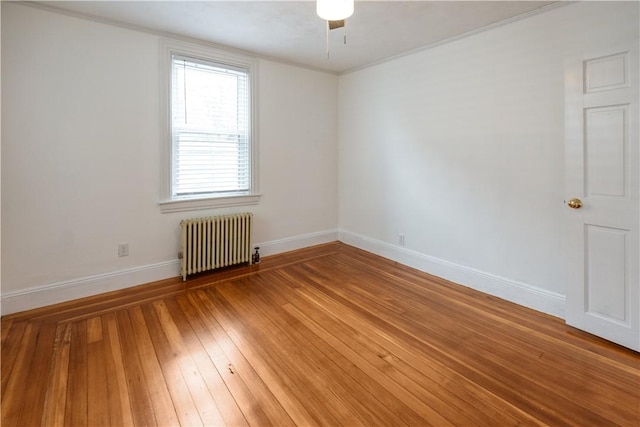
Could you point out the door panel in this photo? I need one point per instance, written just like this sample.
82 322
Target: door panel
606 73
606 273
602 169
605 140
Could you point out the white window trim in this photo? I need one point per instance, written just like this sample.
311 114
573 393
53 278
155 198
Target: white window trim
174 47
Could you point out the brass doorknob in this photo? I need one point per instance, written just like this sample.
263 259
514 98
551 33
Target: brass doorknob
575 203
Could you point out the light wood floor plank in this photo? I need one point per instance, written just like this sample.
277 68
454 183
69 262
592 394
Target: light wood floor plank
341 334
120 412
345 360
5 327
224 401
10 350
97 392
486 331
39 374
158 391
516 315
24 397
76 413
328 335
481 327
258 404
268 363
371 331
193 376
137 388
180 394
461 349
56 399
284 333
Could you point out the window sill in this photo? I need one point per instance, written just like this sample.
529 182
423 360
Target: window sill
169 206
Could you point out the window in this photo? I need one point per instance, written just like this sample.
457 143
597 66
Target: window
210 142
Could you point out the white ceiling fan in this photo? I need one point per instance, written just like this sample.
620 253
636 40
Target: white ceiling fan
335 12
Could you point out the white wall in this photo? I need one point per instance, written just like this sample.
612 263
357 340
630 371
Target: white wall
80 163
461 148
0 157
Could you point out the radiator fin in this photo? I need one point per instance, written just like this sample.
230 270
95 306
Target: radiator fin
215 242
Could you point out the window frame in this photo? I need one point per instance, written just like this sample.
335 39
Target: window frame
167 202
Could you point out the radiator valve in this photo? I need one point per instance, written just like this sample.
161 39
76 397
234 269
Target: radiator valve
255 258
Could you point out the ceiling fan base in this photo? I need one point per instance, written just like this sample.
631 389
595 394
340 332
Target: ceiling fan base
333 25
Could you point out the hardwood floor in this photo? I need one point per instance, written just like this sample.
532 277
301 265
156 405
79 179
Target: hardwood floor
329 335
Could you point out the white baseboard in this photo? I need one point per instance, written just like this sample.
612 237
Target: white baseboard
53 293
297 242
518 292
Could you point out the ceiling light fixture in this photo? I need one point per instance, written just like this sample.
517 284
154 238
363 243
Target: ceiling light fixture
335 12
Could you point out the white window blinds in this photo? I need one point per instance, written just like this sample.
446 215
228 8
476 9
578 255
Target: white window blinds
210 129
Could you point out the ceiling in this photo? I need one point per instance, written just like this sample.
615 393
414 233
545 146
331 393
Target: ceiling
290 31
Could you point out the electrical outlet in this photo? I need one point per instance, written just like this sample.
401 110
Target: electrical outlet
123 249
401 239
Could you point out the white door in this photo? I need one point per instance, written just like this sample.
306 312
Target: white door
602 174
